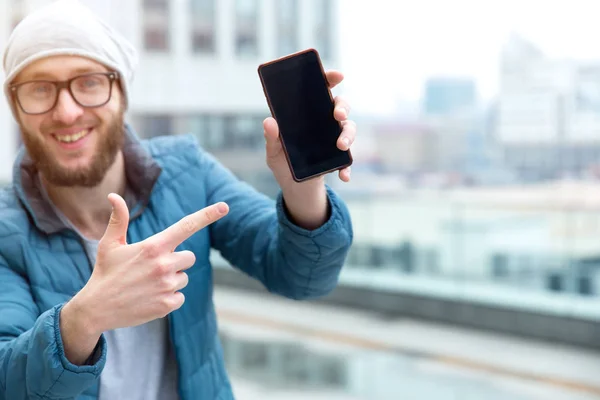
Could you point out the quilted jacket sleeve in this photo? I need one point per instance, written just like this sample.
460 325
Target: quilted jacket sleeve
258 237
32 359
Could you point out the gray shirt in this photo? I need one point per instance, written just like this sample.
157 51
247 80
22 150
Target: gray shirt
140 363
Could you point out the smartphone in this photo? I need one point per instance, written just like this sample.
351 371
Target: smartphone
300 100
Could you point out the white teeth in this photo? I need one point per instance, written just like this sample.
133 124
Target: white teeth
71 138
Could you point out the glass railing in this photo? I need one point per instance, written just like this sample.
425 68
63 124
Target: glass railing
269 365
506 248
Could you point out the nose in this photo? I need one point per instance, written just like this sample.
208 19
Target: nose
67 110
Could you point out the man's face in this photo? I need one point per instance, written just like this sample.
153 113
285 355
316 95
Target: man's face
71 145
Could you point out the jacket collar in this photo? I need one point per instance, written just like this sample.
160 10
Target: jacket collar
141 170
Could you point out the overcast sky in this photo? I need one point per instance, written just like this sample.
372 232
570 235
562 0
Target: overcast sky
390 47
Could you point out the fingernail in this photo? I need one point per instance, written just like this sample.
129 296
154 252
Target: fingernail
346 141
222 208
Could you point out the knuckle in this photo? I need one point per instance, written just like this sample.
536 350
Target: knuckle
349 124
162 267
171 284
166 304
188 225
114 220
151 249
350 128
172 302
210 214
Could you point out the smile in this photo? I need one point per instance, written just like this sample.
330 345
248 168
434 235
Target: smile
72 138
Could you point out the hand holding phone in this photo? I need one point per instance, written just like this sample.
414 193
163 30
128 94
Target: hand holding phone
300 100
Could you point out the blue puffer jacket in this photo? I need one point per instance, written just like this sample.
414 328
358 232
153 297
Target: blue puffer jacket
43 264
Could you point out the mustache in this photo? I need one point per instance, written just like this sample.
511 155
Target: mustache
54 126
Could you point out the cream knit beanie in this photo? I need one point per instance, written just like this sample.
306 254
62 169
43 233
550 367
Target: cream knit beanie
66 27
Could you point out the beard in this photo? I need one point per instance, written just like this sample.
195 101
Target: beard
110 141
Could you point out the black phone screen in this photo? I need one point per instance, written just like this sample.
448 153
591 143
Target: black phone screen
299 98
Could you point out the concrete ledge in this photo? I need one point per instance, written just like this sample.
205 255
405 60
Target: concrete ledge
539 326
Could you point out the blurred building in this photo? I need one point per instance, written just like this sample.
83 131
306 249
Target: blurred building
404 147
451 144
541 238
434 144
198 67
548 112
457 119
449 96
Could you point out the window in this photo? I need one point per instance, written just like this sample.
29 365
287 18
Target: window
322 27
405 255
585 285
243 132
255 355
287 26
209 129
555 282
332 371
216 129
203 17
155 125
246 22
156 25
429 261
381 256
225 132
361 255
500 266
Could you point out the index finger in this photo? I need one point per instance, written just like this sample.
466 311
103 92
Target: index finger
183 229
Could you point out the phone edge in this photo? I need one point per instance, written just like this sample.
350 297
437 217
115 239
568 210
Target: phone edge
279 59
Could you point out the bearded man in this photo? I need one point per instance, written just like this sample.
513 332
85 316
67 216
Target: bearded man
105 278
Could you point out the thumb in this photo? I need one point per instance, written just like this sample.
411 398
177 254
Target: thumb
116 232
273 143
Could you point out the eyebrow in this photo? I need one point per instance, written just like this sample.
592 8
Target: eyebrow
78 71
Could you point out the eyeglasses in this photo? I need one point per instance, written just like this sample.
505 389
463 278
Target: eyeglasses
88 90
